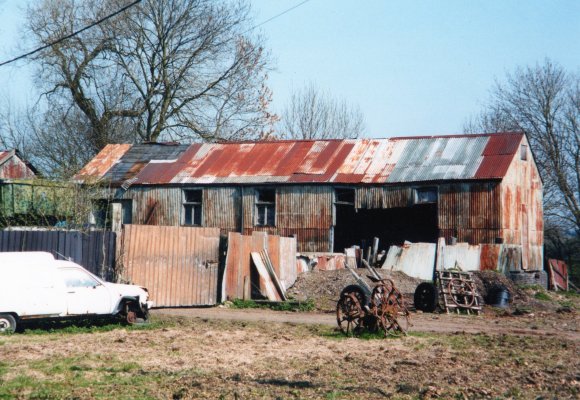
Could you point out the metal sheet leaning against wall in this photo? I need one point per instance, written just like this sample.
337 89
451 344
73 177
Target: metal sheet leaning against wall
178 265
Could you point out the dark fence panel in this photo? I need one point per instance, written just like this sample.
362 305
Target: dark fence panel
93 250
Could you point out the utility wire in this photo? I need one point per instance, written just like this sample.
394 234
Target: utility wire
276 16
62 39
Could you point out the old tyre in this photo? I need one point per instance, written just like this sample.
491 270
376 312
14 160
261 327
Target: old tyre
426 297
7 323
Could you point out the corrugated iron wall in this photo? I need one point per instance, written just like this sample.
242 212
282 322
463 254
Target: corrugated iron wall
470 212
383 197
522 212
178 265
15 168
222 208
154 205
304 211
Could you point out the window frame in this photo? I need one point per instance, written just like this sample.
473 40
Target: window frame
429 190
193 208
344 190
262 202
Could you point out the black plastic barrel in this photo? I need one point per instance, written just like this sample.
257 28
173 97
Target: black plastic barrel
499 297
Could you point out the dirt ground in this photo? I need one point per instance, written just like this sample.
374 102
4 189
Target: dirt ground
189 357
526 351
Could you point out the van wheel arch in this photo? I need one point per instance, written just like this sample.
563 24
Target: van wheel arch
131 311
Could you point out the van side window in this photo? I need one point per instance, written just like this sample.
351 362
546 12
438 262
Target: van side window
75 278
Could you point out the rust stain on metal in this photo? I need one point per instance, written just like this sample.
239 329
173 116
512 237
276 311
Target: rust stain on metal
238 273
178 265
326 161
103 161
14 167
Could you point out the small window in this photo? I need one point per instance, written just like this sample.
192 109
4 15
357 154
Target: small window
265 207
75 278
425 195
344 196
192 207
524 152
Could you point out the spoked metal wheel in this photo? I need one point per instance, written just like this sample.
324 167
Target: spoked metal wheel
349 312
462 292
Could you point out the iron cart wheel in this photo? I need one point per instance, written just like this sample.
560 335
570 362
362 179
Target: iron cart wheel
462 292
7 323
426 297
349 310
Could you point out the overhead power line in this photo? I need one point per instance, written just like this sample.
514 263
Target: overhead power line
73 34
277 16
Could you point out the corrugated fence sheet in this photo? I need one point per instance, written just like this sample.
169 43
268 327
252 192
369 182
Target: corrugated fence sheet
94 250
418 259
414 259
178 265
238 276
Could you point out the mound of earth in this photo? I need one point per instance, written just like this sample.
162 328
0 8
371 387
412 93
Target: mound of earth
324 287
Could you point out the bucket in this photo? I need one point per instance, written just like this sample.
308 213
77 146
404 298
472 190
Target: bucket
499 298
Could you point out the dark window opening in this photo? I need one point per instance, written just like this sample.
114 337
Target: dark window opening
524 152
265 207
425 195
126 210
344 196
101 213
192 207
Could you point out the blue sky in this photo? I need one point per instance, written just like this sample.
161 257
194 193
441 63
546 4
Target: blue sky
413 67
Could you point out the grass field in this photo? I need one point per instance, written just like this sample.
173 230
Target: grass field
178 358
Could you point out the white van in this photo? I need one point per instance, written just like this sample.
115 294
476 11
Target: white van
33 285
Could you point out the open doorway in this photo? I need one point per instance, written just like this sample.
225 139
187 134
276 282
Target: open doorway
417 223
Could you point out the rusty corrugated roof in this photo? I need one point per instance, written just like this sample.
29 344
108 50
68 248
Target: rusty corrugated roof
395 160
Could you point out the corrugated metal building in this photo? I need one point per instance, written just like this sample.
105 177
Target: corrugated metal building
334 193
13 166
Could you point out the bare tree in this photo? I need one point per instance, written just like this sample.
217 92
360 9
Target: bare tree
177 69
544 102
315 114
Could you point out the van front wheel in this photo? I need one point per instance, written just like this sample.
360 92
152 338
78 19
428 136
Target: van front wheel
7 323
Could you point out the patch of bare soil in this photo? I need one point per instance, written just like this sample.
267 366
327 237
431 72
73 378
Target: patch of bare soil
202 359
324 287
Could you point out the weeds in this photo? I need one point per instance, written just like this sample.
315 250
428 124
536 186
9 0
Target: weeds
302 306
541 295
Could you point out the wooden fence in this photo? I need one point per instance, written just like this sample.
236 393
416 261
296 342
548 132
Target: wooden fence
178 265
94 250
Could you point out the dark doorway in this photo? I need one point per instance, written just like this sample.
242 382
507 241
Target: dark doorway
417 223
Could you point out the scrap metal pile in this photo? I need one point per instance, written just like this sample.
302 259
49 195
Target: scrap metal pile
361 308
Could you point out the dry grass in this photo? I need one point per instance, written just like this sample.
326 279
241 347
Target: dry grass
181 358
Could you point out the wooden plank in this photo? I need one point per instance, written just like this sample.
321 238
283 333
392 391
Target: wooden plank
273 276
266 285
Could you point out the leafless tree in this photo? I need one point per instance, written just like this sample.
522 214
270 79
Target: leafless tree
172 69
314 114
544 102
